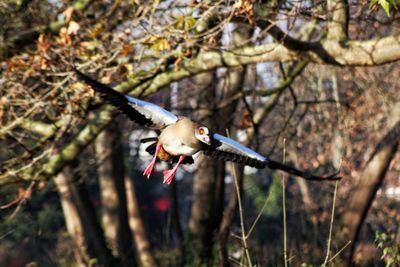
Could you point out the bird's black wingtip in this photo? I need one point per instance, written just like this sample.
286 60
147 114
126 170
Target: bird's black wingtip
97 86
148 139
332 177
78 72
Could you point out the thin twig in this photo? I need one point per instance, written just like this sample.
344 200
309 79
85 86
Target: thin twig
244 238
328 247
284 209
258 216
340 251
28 193
236 261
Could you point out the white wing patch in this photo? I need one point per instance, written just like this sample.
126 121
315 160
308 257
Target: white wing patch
159 116
232 146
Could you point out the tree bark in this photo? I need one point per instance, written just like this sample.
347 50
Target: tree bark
205 213
111 171
142 243
205 210
372 178
176 223
209 184
228 218
337 19
81 221
71 216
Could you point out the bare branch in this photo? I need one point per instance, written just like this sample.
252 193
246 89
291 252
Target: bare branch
337 19
27 37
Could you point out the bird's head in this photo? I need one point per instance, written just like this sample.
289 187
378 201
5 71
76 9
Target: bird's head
203 134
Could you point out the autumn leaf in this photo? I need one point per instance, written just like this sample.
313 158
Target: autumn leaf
23 194
107 77
245 7
160 44
96 30
64 37
185 22
246 121
126 49
178 63
68 13
43 44
92 45
73 28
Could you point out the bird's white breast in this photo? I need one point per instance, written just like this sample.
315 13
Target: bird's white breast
179 149
179 139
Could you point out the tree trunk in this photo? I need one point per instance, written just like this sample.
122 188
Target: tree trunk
176 223
372 178
81 221
206 210
228 218
72 220
209 186
145 257
111 171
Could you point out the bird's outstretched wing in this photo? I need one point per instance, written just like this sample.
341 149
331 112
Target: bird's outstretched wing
139 111
224 148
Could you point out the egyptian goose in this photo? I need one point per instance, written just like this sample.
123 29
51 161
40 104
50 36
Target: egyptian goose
180 137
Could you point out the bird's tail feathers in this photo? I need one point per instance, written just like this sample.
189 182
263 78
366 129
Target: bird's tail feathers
149 139
151 149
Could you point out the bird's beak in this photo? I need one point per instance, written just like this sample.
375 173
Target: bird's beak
207 140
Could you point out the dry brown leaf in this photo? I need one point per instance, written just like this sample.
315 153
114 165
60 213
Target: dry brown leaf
96 30
246 121
107 77
68 13
126 49
65 38
43 44
73 28
23 194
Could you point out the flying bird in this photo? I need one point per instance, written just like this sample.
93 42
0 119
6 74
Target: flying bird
181 138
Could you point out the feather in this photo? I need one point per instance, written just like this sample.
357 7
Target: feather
139 111
224 148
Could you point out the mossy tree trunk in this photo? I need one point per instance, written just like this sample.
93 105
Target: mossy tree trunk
81 221
110 158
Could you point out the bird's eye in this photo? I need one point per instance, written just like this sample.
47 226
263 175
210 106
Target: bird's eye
201 131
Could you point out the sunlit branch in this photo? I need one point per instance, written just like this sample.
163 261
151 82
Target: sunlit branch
288 80
27 37
337 19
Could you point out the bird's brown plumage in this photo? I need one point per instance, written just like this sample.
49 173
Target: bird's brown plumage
180 133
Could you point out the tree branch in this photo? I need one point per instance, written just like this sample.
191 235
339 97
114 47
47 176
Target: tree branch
66 154
367 53
288 80
337 19
27 37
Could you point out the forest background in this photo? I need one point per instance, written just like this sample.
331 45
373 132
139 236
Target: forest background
312 83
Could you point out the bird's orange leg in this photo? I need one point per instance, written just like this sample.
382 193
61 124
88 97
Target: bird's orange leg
170 174
147 172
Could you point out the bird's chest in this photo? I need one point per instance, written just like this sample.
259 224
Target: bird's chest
177 149
173 143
